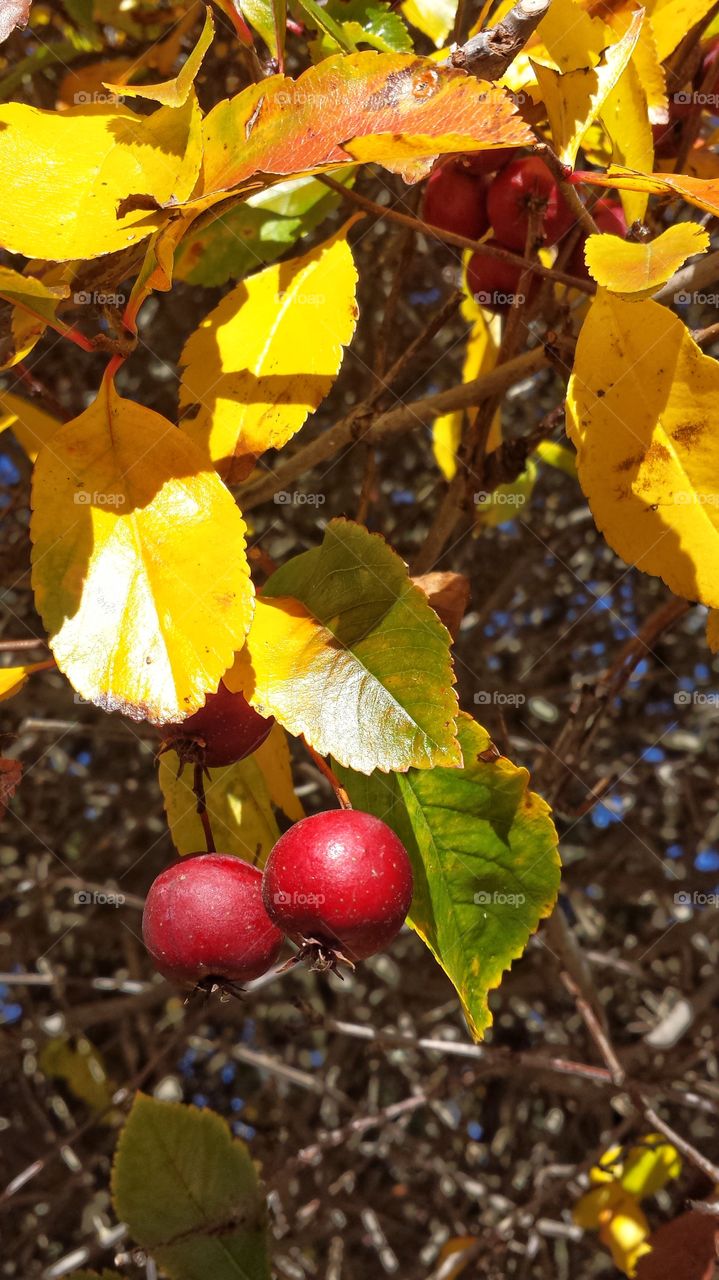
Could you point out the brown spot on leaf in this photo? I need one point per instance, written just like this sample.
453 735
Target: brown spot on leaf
397 86
688 435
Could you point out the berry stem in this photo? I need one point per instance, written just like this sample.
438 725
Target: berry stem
336 785
199 790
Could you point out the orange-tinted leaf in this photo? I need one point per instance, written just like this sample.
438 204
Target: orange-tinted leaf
292 126
701 192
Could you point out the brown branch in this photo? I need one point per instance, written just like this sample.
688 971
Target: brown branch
488 54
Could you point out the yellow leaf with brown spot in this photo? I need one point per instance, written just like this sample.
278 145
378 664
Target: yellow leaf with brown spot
267 356
637 270
173 93
642 412
139 565
96 160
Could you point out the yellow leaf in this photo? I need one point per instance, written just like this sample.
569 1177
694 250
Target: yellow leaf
625 116
267 356
238 805
273 758
391 149
173 93
12 679
34 305
651 76
671 20
82 1068
572 37
31 426
434 18
650 1166
636 271
139 564
575 98
557 455
94 158
480 357
642 414
625 1234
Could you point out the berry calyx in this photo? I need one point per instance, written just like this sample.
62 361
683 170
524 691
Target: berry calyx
340 885
455 200
494 284
205 925
222 732
524 185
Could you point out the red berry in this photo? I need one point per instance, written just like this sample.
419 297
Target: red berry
205 924
455 201
340 884
222 732
483 162
524 184
493 283
610 219
710 63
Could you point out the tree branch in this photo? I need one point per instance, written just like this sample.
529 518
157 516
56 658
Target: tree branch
488 54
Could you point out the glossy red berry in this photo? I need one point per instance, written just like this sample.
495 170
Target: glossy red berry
340 884
494 284
609 217
455 200
205 924
222 732
489 161
522 185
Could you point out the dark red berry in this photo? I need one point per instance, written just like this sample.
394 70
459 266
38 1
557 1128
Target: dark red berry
523 185
609 217
340 884
205 924
455 200
494 284
222 732
489 161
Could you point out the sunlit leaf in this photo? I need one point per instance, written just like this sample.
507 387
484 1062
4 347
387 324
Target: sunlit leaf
238 806
480 357
574 99
642 414
34 308
671 20
702 192
294 126
267 356
173 93
637 269
12 679
625 117
345 650
434 18
484 856
98 157
139 569
31 426
273 758
189 1193
13 13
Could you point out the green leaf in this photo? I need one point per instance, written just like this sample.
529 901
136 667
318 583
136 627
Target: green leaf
257 231
189 1193
485 861
321 20
82 1068
269 20
345 650
238 805
367 22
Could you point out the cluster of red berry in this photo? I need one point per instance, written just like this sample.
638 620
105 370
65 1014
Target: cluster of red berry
338 884
462 196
